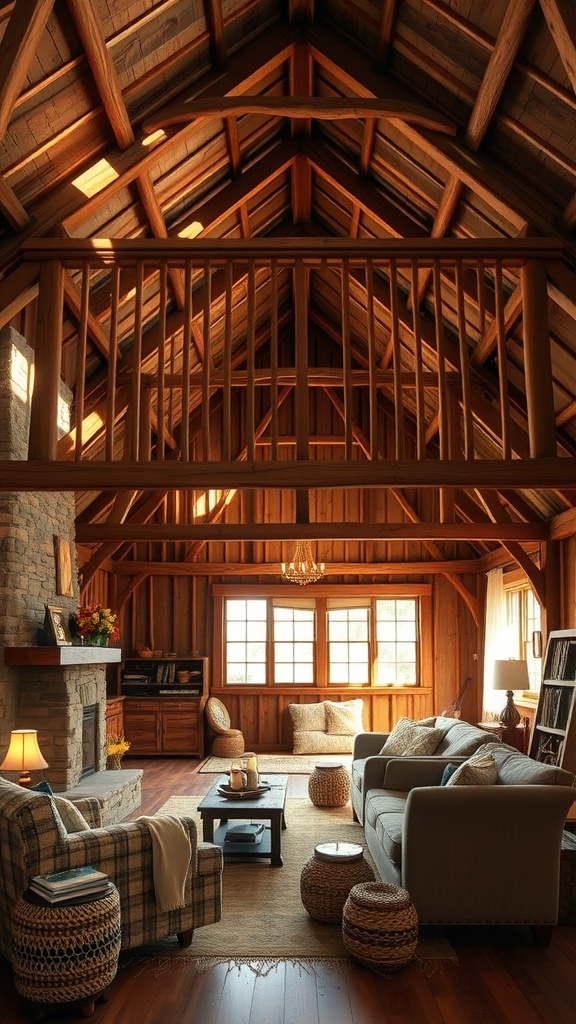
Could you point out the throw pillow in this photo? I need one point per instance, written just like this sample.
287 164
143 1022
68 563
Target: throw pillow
478 770
70 816
308 717
344 718
448 773
42 787
408 737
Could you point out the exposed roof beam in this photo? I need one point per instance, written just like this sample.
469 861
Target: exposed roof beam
414 568
177 533
96 475
510 36
17 50
561 20
12 208
326 108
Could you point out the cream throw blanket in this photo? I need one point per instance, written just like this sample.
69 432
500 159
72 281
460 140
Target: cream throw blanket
171 851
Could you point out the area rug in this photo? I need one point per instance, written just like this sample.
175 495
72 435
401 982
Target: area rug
263 918
279 764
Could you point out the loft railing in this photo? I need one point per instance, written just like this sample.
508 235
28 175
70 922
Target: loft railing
185 325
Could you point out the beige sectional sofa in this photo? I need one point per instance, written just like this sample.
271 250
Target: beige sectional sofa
472 854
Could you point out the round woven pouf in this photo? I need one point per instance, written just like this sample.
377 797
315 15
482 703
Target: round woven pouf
328 876
380 925
65 954
329 785
228 744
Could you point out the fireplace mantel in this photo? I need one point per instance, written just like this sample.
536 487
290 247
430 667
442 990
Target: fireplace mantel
50 656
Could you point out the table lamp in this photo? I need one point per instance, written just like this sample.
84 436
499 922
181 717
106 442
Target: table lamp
510 675
23 755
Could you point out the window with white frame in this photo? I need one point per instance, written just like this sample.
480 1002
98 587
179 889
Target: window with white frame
293 641
397 641
523 615
348 641
245 646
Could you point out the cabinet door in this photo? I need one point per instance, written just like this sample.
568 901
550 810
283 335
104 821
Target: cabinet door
114 717
180 727
142 720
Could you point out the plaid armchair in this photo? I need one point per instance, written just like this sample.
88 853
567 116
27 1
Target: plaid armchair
34 839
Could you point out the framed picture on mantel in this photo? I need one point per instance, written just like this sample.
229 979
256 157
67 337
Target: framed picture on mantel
55 627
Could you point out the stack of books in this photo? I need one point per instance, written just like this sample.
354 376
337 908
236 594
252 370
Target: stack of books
74 884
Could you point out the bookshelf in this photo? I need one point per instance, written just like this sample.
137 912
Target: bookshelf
553 738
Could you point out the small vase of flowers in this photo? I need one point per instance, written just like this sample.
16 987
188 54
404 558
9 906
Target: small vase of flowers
96 626
116 747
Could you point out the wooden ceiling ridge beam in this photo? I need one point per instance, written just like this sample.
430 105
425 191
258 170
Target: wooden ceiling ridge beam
52 475
141 570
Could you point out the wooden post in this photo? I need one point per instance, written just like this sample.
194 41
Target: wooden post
537 362
43 443
551 613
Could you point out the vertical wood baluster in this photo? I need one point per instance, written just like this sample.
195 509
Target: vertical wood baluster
81 351
137 364
396 364
206 362
43 443
537 361
227 367
274 359
250 356
161 398
502 360
481 283
371 342
441 363
418 369
346 361
112 363
186 347
464 365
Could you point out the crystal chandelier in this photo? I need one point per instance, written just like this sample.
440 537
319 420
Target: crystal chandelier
303 568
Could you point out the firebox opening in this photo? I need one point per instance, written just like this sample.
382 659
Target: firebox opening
90 740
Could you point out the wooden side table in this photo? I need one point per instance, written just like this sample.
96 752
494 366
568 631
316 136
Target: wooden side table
516 736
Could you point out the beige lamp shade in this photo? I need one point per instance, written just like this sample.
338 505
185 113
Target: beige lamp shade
24 755
510 675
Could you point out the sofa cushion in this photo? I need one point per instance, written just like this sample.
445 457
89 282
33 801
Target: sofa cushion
313 741
460 738
448 773
516 769
408 737
344 718
308 717
385 814
69 815
478 770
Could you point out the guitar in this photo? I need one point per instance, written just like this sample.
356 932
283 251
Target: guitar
455 708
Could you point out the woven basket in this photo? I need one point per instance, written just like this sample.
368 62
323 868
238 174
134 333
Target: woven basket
380 925
329 785
325 885
62 954
229 744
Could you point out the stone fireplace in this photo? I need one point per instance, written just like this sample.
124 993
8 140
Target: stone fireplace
41 687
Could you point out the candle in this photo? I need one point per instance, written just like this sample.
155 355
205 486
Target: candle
252 779
237 778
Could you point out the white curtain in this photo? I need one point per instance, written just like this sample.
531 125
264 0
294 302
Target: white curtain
495 636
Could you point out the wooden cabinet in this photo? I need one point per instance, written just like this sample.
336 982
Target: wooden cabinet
169 726
553 738
114 716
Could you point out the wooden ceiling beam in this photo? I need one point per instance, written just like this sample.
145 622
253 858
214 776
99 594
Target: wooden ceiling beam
18 48
376 568
18 289
508 42
155 533
326 108
499 516
445 212
11 207
384 36
560 17
96 475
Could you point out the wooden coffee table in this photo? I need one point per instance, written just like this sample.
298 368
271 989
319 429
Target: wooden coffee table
268 807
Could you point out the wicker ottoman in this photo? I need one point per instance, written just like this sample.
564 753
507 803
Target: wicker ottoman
329 785
65 954
380 925
328 876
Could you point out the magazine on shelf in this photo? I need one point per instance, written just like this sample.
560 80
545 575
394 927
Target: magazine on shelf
70 880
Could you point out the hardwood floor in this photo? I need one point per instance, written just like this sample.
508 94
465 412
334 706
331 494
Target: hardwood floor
501 978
